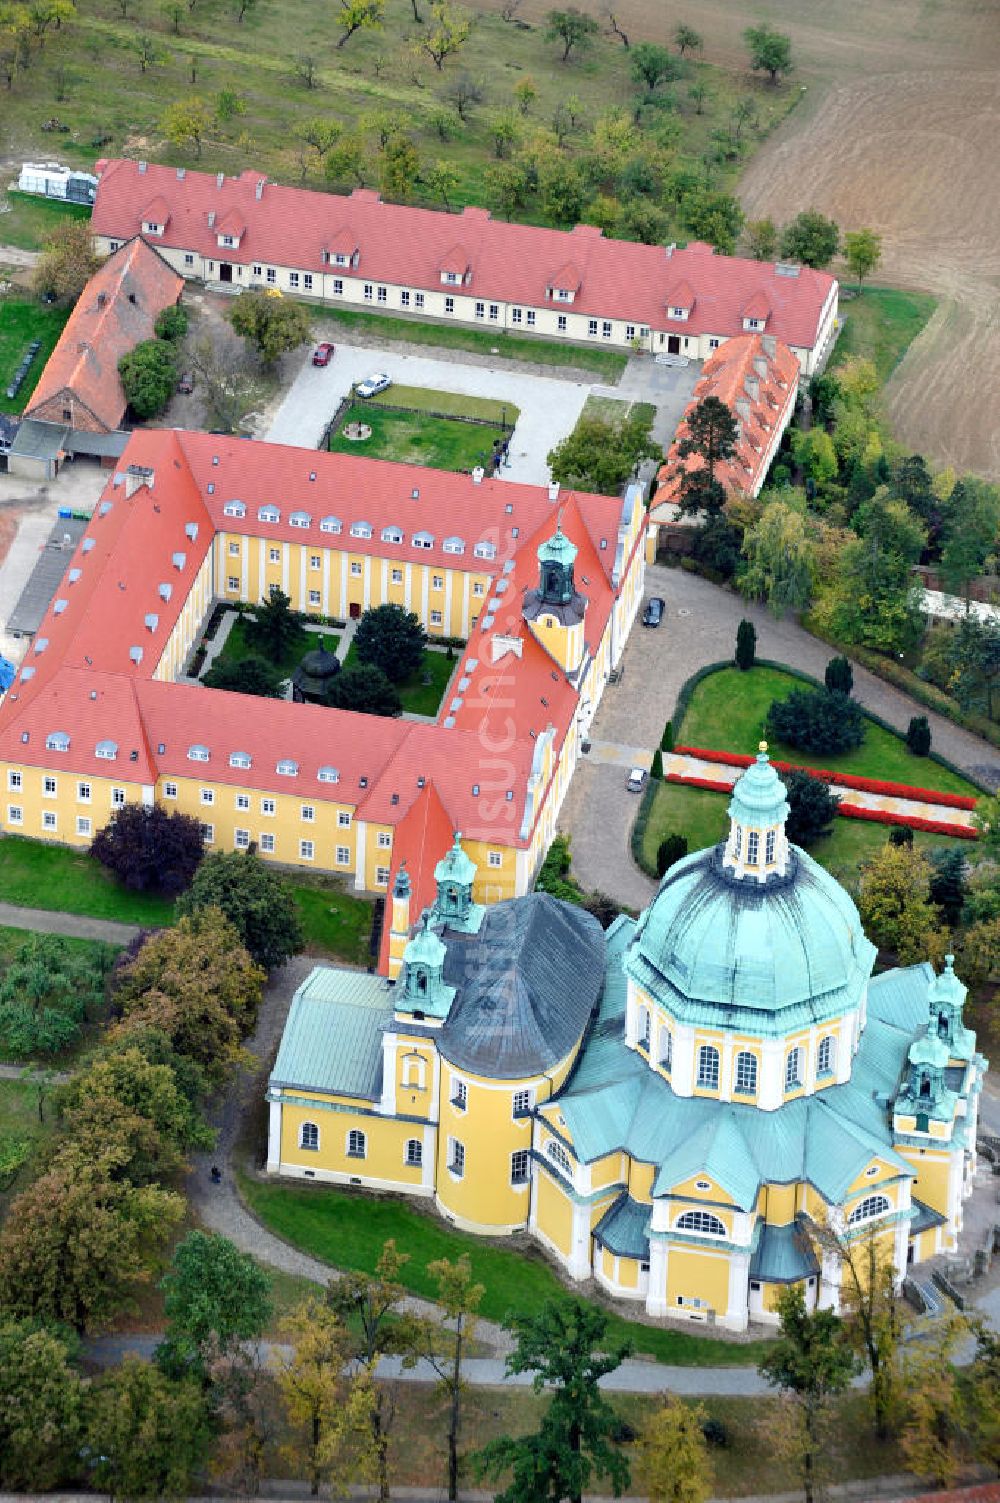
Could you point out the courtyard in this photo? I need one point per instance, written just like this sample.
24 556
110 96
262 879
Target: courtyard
413 425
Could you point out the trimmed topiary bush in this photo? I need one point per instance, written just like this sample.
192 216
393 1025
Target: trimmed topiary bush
918 736
656 771
812 807
817 721
667 739
669 851
746 645
901 835
839 676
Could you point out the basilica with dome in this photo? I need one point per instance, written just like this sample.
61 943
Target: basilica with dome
674 1107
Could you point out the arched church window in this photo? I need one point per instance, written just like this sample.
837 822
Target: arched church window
824 1056
559 1157
746 1073
737 841
870 1207
793 1069
666 1049
647 1029
309 1136
769 844
701 1221
708 1067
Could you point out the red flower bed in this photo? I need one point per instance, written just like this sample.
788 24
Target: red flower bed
692 782
845 779
889 817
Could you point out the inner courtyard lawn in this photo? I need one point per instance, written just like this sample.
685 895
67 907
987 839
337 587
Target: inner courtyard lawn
349 1230
419 698
416 438
450 403
701 815
21 321
236 646
335 924
727 711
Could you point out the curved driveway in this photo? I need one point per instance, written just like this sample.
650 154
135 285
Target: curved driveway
699 627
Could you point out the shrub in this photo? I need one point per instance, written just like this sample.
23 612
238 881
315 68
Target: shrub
746 645
150 850
918 736
901 835
812 808
366 690
839 676
818 721
656 771
148 373
171 323
669 851
948 883
667 739
46 993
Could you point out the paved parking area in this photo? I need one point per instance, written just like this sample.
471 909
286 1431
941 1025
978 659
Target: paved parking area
549 407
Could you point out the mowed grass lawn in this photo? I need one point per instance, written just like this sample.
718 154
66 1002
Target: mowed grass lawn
21 321
236 646
334 922
880 325
728 710
28 221
416 438
701 815
349 1230
419 698
450 403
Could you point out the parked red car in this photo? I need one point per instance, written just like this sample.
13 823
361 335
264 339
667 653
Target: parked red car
323 353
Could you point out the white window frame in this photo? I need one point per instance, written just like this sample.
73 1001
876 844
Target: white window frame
707 1078
309 1137
356 1144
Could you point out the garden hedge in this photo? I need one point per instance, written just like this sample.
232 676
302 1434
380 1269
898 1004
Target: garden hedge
912 821
846 779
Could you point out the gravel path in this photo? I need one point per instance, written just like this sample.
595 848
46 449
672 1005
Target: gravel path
71 925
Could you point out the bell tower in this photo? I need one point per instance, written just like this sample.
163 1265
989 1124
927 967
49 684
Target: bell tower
399 926
423 993
555 611
455 875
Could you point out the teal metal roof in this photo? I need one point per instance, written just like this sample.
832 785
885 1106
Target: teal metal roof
456 866
783 1255
624 1228
759 795
558 549
924 1218
711 940
333 1037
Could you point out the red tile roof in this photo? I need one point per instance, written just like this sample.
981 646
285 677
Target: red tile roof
456 260
406 246
115 312
421 838
759 388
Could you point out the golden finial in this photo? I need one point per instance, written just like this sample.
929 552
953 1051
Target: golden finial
762 747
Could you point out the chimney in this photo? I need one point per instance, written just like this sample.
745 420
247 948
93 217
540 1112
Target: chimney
671 248
220 178
142 167
554 490
260 188
211 219
770 345
477 475
136 476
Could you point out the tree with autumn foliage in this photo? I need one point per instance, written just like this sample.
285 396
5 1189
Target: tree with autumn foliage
330 1411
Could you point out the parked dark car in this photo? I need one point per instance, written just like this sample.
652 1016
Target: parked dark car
186 383
653 614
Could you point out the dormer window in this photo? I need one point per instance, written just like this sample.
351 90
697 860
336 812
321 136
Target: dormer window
330 524
485 550
198 753
453 545
753 323
234 509
423 540
300 519
268 514
228 240
57 741
678 313
240 759
328 775
286 768
106 751
150 227
392 535
361 529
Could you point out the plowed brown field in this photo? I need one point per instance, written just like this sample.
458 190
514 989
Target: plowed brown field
899 129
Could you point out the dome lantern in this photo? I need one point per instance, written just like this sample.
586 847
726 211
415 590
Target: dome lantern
454 875
424 993
946 996
556 557
757 847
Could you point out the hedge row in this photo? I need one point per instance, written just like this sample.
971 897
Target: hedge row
889 817
846 779
694 782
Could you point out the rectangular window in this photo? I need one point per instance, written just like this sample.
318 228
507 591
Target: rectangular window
592 326
305 850
418 300
315 561
456 1157
495 858
436 618
48 820
397 576
383 840
713 344
293 279
480 310
478 588
343 855
208 834
522 1103
383 294
242 839
355 567
308 813
49 787
494 311
449 305
117 798
338 286
267 806
630 331
208 795
404 299
274 555
243 801
188 258
519 1160
344 819
233 582
272 275
460 1099
307 281
13 780
234 549
170 790
267 843
356 1146
530 318
381 876
605 330
15 815
414 1153
369 292
314 597
561 323
258 271
82 824
515 315
437 581
83 793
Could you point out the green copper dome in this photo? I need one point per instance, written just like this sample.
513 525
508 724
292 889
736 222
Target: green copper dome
456 866
558 549
929 1050
759 795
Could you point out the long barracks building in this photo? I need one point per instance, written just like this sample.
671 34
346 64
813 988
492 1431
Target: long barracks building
544 587
468 268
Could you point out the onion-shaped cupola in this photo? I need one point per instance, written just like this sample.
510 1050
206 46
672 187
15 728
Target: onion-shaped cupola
556 558
946 996
454 876
424 993
757 847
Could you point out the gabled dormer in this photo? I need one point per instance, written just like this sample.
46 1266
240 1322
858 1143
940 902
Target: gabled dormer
155 217
455 269
343 249
756 313
563 285
680 302
229 230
